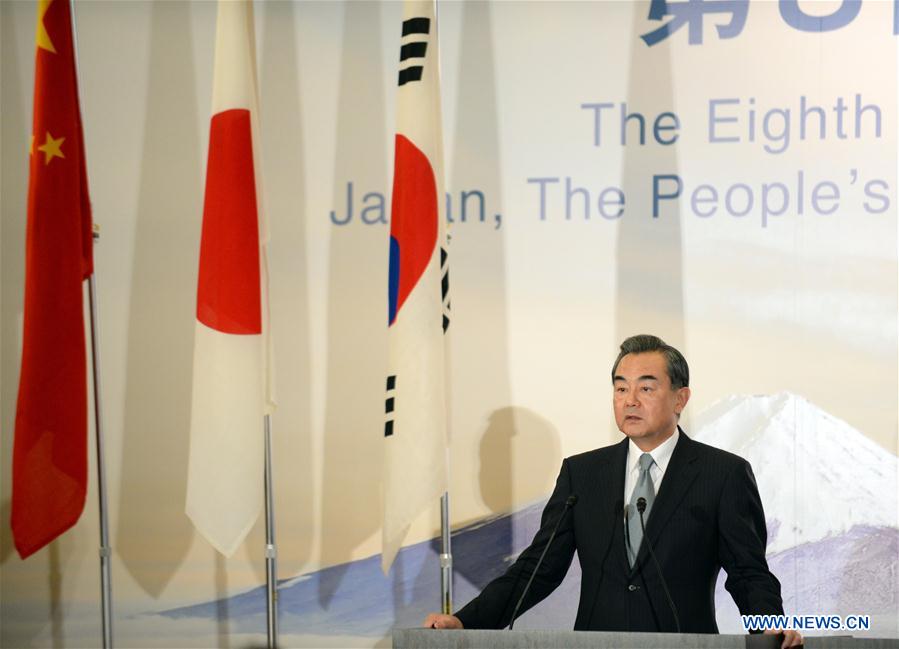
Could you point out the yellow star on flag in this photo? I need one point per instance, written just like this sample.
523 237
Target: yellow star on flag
52 148
42 37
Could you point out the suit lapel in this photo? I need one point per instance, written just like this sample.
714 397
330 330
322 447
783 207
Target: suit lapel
679 476
610 484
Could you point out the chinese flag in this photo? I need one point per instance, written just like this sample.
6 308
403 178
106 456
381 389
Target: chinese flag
50 449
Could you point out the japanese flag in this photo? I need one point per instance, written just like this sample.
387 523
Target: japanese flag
232 382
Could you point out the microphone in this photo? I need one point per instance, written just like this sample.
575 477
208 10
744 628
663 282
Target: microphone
569 503
641 507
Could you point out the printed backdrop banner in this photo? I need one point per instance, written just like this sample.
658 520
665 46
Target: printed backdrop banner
722 175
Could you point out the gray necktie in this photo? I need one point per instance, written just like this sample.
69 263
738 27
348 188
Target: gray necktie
643 489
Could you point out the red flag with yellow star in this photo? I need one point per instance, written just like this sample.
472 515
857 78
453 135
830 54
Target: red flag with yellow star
50 449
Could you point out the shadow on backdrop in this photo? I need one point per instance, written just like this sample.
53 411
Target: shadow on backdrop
357 300
518 437
154 534
650 285
6 531
520 454
521 438
283 182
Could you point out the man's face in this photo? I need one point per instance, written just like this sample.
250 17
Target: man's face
646 407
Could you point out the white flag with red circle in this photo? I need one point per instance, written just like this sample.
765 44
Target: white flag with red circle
232 374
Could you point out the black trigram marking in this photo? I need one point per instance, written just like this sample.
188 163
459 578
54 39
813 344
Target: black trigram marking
410 74
413 49
444 287
416 26
389 404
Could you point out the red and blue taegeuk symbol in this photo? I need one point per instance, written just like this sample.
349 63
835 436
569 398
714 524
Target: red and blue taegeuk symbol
413 222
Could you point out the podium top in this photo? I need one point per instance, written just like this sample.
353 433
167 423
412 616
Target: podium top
551 639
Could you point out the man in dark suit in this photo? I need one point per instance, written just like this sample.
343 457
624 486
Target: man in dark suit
702 513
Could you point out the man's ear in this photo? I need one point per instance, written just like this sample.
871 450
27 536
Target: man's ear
683 396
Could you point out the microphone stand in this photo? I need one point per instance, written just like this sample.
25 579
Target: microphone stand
569 503
641 507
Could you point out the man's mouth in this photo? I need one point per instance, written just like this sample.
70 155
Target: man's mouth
632 418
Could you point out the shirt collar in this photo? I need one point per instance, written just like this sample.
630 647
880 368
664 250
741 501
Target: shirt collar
661 454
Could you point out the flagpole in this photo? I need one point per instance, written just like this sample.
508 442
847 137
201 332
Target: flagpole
271 554
446 553
446 557
105 549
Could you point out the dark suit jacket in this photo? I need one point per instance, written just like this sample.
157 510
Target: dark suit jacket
706 515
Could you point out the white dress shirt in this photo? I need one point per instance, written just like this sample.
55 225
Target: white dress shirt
661 455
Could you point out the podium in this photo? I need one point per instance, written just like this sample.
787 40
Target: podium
548 639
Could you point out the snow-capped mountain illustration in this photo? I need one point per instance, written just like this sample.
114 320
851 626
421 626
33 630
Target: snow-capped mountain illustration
817 475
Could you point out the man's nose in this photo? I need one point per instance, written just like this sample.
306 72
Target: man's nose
630 398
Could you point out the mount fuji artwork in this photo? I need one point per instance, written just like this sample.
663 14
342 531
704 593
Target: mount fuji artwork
830 497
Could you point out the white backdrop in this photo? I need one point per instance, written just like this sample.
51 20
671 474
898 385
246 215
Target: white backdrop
796 297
